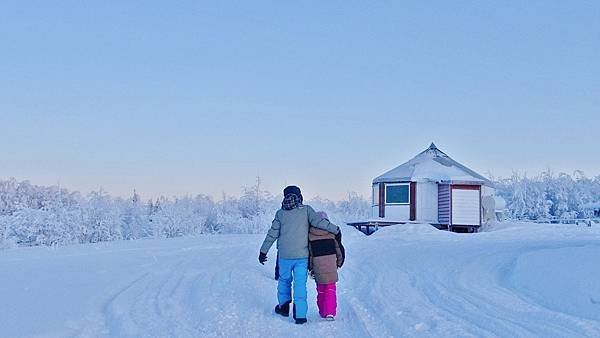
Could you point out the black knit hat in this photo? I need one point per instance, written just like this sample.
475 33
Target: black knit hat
292 189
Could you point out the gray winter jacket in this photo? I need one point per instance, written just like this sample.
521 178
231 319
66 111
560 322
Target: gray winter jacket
290 230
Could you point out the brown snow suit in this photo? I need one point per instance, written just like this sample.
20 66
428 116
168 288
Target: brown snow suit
325 255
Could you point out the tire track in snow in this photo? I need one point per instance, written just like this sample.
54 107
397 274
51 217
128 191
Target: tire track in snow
559 321
220 290
491 308
454 288
360 301
106 325
148 306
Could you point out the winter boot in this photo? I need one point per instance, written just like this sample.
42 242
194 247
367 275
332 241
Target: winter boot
298 320
283 310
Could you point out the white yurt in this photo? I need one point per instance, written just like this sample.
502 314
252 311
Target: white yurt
432 188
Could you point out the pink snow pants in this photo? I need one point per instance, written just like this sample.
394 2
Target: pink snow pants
326 299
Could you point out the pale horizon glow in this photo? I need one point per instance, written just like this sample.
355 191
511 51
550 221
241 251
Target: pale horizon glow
204 97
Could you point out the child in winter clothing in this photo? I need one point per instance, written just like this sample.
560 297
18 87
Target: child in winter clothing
290 229
326 255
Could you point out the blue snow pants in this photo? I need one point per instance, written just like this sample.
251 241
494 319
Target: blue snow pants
295 270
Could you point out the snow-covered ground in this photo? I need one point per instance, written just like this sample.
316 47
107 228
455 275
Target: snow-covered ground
412 280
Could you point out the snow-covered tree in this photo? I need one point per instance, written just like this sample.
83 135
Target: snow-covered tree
549 195
134 218
101 218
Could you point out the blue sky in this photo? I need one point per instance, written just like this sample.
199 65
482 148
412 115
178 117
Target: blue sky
201 97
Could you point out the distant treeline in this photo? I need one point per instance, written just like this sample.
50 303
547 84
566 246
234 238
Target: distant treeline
548 195
32 215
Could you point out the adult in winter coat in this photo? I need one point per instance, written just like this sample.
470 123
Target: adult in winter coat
327 254
290 230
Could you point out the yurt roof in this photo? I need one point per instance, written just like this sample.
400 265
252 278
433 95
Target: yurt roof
433 165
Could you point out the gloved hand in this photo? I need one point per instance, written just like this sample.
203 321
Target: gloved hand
341 260
262 258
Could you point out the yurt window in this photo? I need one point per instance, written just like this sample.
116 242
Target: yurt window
397 193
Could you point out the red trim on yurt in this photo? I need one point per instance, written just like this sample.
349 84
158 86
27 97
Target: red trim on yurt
450 219
466 187
413 201
480 206
382 200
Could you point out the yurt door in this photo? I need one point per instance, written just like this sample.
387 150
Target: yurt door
466 205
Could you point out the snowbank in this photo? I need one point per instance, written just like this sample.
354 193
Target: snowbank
563 279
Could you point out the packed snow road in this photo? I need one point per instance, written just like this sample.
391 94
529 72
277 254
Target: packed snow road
524 280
